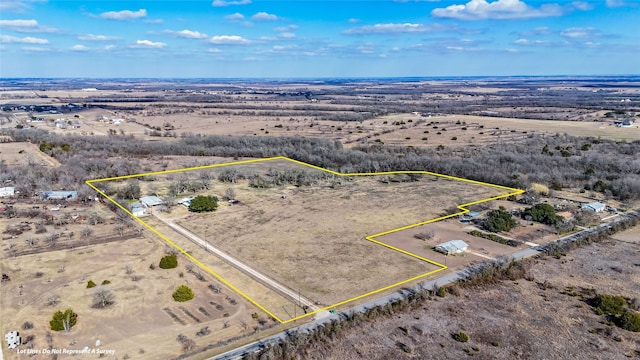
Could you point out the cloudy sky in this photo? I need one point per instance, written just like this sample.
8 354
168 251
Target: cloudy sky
305 38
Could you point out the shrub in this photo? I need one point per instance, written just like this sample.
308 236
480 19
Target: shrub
460 337
203 203
169 261
57 323
184 293
90 284
629 320
441 292
106 282
608 304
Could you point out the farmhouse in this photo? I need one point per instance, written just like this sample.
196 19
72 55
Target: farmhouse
151 201
137 210
59 195
7 191
452 247
594 206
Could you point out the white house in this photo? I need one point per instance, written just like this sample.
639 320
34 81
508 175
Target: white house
452 247
7 191
137 210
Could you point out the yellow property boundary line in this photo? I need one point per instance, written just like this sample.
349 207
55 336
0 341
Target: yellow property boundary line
463 209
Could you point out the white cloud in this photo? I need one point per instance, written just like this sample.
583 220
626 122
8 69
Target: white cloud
619 3
581 5
153 21
35 49
214 50
79 48
287 35
287 28
263 16
148 44
353 21
386 29
24 40
26 26
18 5
18 23
228 40
109 47
220 3
188 34
577 32
124 14
92 37
499 9
235 17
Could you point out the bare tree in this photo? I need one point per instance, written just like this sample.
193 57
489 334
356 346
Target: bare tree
102 298
86 232
120 230
32 241
230 194
128 269
187 344
53 300
51 239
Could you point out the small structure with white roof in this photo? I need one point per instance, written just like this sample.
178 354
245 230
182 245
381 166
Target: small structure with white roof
452 247
594 206
151 201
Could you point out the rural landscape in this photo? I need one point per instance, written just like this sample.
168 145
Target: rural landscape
322 180
323 198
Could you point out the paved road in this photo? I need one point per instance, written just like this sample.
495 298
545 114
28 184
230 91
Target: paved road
239 352
263 279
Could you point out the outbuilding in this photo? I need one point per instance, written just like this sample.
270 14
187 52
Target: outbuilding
452 247
151 201
7 191
594 206
59 195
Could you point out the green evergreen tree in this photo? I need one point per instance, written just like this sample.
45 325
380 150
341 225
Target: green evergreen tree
169 261
203 203
184 293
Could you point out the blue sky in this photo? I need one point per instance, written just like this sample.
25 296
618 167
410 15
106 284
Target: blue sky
304 38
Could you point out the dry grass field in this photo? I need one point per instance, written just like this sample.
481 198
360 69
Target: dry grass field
18 154
512 320
139 324
313 239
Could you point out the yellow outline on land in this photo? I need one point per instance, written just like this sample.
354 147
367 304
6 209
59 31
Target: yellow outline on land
463 209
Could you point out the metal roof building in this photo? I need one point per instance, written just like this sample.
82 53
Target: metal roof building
595 206
452 247
150 201
59 195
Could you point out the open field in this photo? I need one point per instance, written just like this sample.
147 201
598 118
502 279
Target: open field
521 319
143 321
21 153
311 237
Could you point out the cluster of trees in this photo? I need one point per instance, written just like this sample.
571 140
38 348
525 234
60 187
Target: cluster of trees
606 166
499 220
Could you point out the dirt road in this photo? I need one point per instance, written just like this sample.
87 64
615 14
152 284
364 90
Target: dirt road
263 279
